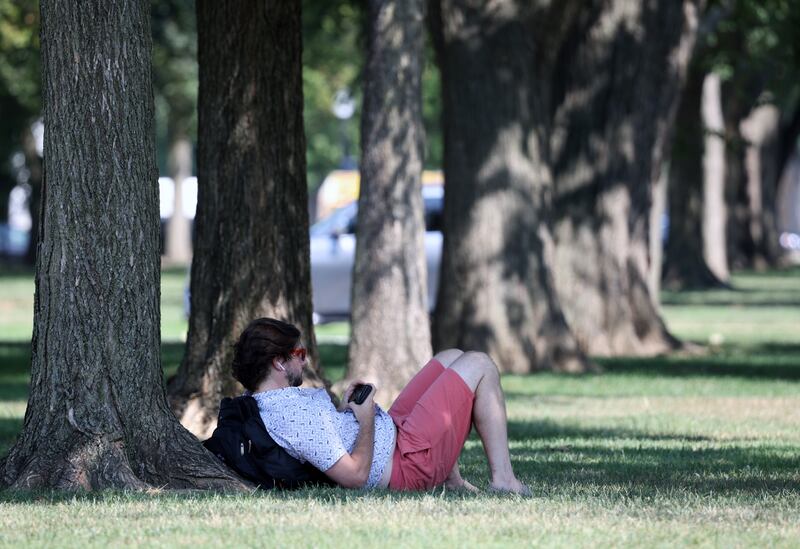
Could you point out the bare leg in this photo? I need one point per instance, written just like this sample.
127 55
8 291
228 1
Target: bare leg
448 356
454 480
489 414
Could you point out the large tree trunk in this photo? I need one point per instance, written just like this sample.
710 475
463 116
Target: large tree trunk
496 289
657 215
251 256
761 132
97 415
715 215
789 199
618 81
790 131
685 265
787 185
735 107
390 328
760 141
179 235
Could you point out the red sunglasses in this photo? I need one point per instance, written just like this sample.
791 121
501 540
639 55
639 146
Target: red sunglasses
299 353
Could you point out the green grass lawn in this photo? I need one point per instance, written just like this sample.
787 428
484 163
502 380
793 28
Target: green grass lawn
682 450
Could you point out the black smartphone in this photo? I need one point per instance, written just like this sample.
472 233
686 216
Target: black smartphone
360 393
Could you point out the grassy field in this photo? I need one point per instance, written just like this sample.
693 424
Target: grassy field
686 450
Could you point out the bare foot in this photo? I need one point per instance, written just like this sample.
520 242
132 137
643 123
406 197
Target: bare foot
460 485
512 487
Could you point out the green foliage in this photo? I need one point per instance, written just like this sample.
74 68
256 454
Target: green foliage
755 47
334 41
174 72
432 110
20 94
334 53
19 45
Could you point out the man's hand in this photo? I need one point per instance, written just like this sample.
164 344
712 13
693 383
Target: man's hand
364 412
343 405
346 395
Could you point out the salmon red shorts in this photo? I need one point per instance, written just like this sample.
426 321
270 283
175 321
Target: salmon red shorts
433 415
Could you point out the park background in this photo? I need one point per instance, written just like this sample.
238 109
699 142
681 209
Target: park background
694 446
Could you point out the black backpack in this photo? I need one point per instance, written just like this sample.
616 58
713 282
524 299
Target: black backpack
242 442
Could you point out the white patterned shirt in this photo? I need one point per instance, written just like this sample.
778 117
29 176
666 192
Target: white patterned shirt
306 424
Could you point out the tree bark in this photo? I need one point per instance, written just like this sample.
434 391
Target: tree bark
760 131
496 291
735 107
715 213
391 336
97 415
251 256
179 233
618 82
787 185
789 198
789 132
759 140
657 212
685 266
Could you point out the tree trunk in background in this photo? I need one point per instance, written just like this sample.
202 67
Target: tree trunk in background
618 82
760 130
391 337
179 234
496 289
789 134
735 106
787 193
760 140
657 212
97 415
251 256
789 197
685 265
715 216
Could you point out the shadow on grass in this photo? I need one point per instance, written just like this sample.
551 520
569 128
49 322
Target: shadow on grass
555 458
732 298
769 362
13 390
546 429
761 295
778 361
9 430
15 357
326 495
15 269
560 459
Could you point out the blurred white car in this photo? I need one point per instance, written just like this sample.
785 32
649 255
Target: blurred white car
333 249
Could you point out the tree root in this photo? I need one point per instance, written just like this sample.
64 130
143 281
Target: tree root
99 464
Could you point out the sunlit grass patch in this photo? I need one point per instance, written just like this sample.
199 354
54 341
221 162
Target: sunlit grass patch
334 518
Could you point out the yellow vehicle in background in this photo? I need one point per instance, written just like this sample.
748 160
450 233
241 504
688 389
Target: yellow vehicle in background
341 187
333 241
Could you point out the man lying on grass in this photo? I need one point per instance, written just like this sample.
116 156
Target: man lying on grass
415 446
